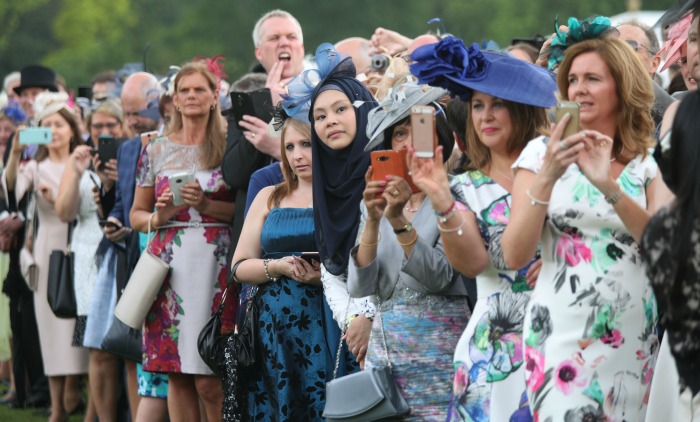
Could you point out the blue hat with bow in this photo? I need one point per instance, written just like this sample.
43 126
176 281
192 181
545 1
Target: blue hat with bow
449 64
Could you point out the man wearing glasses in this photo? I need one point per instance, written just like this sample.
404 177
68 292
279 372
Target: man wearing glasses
643 40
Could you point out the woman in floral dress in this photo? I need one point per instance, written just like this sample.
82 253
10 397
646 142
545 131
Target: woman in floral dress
489 379
590 329
193 238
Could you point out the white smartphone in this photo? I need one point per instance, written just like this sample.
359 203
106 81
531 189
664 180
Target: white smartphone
177 181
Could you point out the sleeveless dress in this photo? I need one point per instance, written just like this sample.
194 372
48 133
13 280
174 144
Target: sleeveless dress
192 289
590 328
297 355
489 379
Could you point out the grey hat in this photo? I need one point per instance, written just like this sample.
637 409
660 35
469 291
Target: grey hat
396 107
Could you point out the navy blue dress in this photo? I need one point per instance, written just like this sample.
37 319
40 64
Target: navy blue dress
298 338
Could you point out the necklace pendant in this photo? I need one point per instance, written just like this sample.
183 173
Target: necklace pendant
459 232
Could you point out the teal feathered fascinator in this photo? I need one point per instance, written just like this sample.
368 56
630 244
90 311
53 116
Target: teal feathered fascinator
587 29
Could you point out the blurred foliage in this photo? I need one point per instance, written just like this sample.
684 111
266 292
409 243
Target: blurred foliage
80 38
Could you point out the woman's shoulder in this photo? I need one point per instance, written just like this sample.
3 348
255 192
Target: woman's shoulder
532 155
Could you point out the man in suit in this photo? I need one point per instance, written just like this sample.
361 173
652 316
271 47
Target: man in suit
279 47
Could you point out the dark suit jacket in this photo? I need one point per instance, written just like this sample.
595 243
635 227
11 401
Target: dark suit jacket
127 159
241 160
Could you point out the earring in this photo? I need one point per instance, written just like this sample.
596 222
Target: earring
294 176
212 107
177 108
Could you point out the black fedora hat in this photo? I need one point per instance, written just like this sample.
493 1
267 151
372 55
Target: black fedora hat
37 76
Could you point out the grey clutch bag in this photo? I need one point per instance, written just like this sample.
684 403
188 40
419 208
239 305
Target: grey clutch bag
367 395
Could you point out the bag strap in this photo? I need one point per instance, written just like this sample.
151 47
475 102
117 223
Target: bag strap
340 343
231 279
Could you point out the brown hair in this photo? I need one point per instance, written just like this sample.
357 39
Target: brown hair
527 121
42 152
212 153
634 128
291 182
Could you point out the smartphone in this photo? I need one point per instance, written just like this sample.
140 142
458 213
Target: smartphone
310 256
177 181
35 136
390 162
256 103
423 131
107 147
110 223
570 107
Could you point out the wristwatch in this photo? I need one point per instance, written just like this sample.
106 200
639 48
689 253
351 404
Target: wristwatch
407 228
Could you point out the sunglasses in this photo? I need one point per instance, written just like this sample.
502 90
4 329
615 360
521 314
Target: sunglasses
109 126
636 46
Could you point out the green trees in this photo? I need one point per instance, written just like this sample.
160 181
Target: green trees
79 38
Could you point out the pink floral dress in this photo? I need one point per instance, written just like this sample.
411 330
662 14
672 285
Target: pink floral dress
197 257
590 328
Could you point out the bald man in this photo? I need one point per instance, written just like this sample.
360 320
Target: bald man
359 49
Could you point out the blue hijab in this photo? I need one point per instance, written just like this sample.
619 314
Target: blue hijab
339 175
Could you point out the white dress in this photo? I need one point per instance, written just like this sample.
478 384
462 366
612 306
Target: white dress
590 328
489 380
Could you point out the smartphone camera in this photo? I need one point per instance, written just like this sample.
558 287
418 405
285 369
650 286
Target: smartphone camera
380 62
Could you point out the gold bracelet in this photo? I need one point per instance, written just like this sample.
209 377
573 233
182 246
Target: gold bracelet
379 237
415 239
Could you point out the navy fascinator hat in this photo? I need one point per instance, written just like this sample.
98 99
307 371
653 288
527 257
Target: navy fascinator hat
449 64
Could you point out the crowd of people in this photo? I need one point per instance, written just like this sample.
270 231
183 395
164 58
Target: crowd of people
417 204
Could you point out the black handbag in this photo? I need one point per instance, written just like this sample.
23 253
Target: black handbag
123 341
61 291
374 393
212 343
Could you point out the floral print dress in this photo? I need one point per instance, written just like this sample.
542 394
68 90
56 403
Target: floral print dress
489 381
590 330
197 256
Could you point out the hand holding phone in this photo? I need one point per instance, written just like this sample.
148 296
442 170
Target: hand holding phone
107 148
573 126
310 257
256 103
35 136
423 131
390 162
177 181
110 223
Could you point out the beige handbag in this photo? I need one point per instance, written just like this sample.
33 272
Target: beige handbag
142 288
27 266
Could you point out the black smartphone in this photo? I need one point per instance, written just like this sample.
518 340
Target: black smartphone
107 147
110 223
256 103
309 256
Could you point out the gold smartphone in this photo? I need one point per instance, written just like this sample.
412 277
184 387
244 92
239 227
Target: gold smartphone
570 107
423 131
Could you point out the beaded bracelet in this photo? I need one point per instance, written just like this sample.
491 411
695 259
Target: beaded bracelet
266 262
447 211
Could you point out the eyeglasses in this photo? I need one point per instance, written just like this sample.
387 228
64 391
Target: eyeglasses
109 126
636 46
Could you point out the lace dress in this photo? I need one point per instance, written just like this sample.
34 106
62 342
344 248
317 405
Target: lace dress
197 256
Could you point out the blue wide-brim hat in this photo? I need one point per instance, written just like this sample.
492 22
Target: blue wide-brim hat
449 64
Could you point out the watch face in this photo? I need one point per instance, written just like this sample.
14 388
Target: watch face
408 227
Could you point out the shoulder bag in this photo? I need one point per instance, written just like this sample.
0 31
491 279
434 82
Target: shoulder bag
61 291
142 288
212 343
368 395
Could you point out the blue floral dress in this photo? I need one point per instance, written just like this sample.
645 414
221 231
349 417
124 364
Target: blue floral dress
590 329
489 381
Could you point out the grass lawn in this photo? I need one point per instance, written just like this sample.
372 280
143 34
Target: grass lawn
27 415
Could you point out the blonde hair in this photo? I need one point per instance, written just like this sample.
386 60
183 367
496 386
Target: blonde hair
634 127
212 153
291 182
111 107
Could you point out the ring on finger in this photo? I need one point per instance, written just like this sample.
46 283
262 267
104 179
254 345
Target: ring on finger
395 193
563 145
302 274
